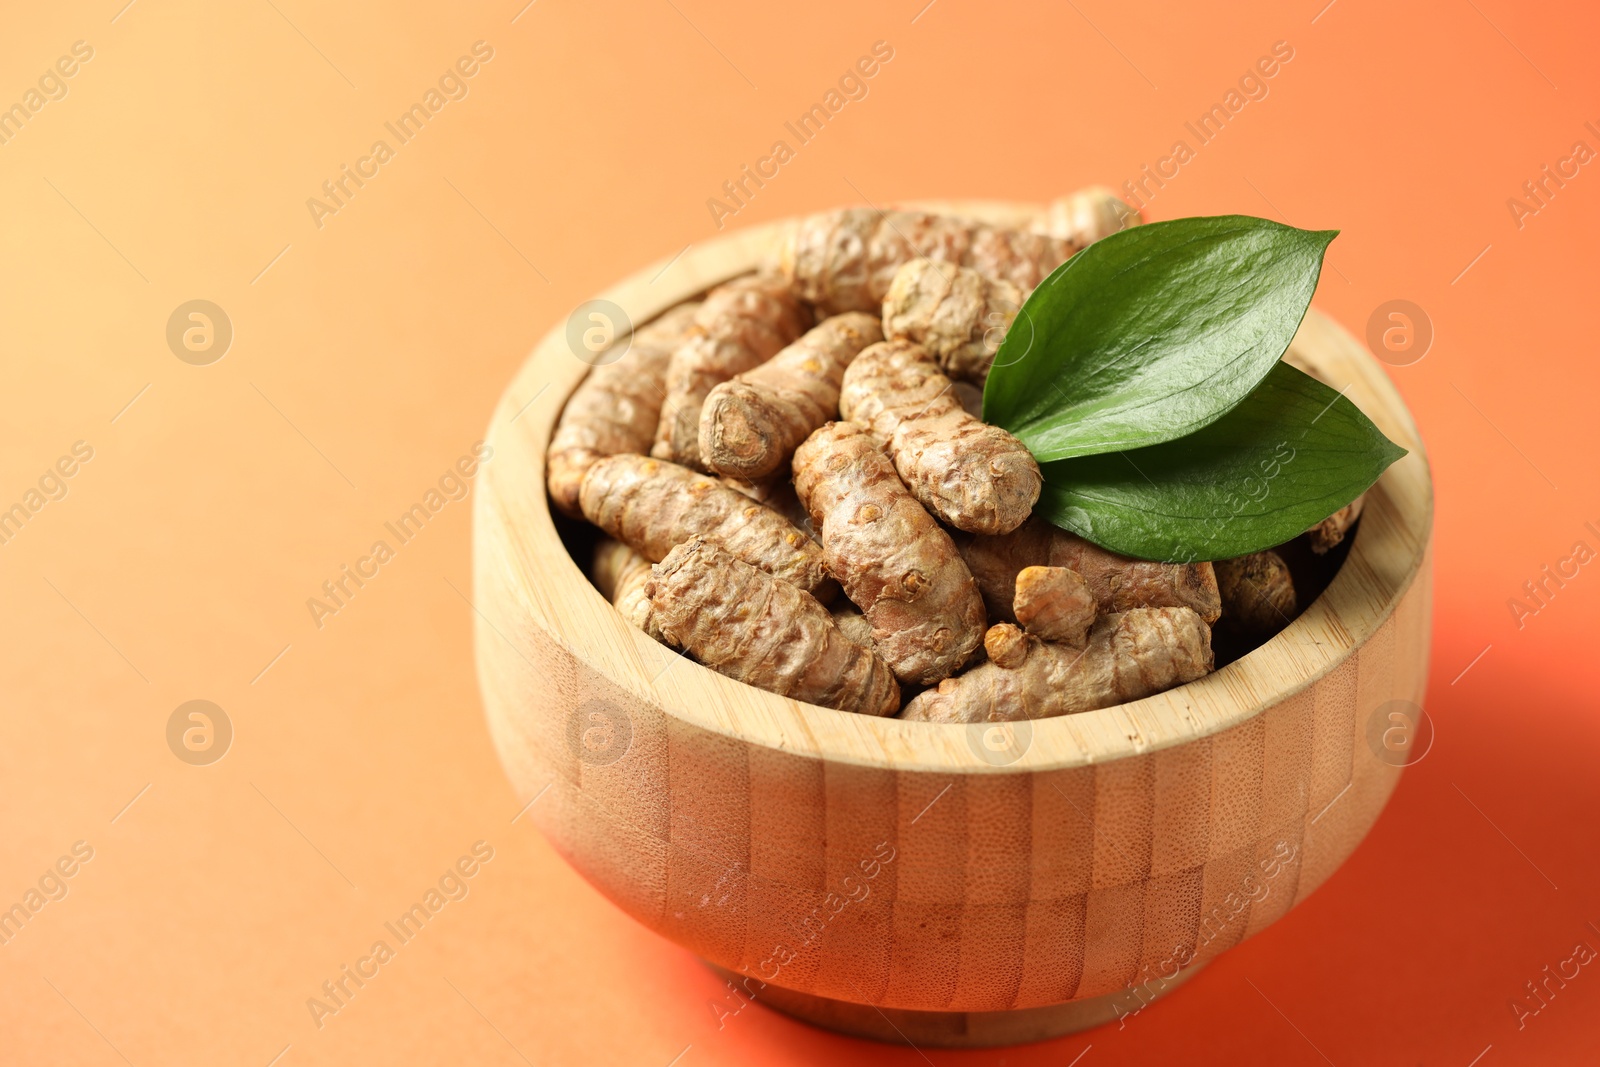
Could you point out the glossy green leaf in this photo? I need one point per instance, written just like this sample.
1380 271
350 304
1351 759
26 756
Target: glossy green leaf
1152 333
1291 454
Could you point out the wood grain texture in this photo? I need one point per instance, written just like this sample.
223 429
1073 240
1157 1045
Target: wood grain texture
939 868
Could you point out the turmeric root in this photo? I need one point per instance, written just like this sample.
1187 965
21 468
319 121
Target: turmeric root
974 476
653 505
845 260
1257 593
762 631
1006 645
1129 655
762 490
1117 582
741 324
957 314
1087 215
751 425
621 574
616 567
777 493
854 625
892 558
634 607
1328 533
1055 604
962 316
616 408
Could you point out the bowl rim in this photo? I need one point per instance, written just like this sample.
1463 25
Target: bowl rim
512 521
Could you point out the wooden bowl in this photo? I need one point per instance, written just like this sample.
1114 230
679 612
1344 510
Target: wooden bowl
942 884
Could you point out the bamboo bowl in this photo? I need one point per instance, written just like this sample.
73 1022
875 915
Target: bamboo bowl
941 884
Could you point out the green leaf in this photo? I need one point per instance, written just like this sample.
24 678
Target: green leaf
1152 333
1290 455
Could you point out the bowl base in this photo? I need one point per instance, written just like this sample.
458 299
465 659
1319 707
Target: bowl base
956 1029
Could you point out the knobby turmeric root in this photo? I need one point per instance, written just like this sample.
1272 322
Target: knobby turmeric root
751 425
845 260
1117 582
777 493
1087 215
959 315
895 562
616 408
1006 645
653 505
1054 604
1328 533
1257 593
1129 655
762 631
768 491
854 625
741 324
621 574
616 567
974 476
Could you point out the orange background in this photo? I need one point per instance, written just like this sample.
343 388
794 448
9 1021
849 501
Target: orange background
367 358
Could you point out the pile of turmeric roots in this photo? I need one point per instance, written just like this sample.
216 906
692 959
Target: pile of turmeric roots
796 488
